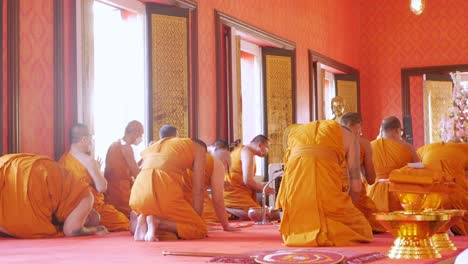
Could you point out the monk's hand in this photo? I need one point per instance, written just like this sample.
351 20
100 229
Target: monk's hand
269 191
230 228
99 162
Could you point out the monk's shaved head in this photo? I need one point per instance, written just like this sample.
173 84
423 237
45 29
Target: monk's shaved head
167 131
133 126
260 139
391 122
77 132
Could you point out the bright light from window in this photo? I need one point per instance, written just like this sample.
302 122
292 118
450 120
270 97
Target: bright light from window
119 75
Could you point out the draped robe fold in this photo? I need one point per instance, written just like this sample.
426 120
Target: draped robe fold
387 155
316 211
36 195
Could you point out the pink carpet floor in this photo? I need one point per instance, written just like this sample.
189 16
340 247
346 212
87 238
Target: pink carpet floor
121 248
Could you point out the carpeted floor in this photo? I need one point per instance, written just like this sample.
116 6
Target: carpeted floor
121 248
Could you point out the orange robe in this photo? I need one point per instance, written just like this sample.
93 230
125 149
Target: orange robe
158 189
387 155
238 195
452 160
365 203
112 219
316 211
209 214
119 179
36 195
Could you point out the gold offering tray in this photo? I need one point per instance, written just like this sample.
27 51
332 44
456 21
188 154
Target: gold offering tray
412 232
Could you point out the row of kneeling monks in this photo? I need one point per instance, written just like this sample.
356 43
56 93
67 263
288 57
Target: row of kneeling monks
323 196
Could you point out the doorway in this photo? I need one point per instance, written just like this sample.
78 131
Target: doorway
119 88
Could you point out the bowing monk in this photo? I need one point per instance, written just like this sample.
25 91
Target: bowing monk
121 167
353 121
241 194
390 152
452 160
214 209
88 169
316 211
157 194
38 199
220 150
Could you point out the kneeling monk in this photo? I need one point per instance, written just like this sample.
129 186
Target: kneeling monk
39 199
316 211
84 166
157 193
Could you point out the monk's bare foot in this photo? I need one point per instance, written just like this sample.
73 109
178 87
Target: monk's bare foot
133 222
93 218
153 224
141 228
101 230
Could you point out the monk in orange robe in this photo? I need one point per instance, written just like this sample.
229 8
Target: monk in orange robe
157 193
241 194
39 199
352 120
390 152
316 211
121 167
220 150
452 160
214 178
84 166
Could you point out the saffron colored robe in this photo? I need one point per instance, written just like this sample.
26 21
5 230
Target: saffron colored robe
111 218
209 214
387 155
158 188
452 160
316 211
36 195
238 195
365 203
119 179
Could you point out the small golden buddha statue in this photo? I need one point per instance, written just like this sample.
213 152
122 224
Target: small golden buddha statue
338 107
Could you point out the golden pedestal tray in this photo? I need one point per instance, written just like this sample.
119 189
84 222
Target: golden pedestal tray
412 232
441 239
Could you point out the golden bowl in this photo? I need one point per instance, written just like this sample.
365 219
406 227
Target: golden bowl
412 232
432 202
412 201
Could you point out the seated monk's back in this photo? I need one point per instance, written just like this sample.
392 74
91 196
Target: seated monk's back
318 133
387 155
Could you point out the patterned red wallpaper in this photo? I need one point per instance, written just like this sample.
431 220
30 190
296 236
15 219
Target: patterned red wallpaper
417 110
36 77
391 38
329 27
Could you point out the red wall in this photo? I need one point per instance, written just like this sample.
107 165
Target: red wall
36 77
393 38
329 27
378 37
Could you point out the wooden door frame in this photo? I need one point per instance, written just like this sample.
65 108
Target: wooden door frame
406 73
222 19
314 58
